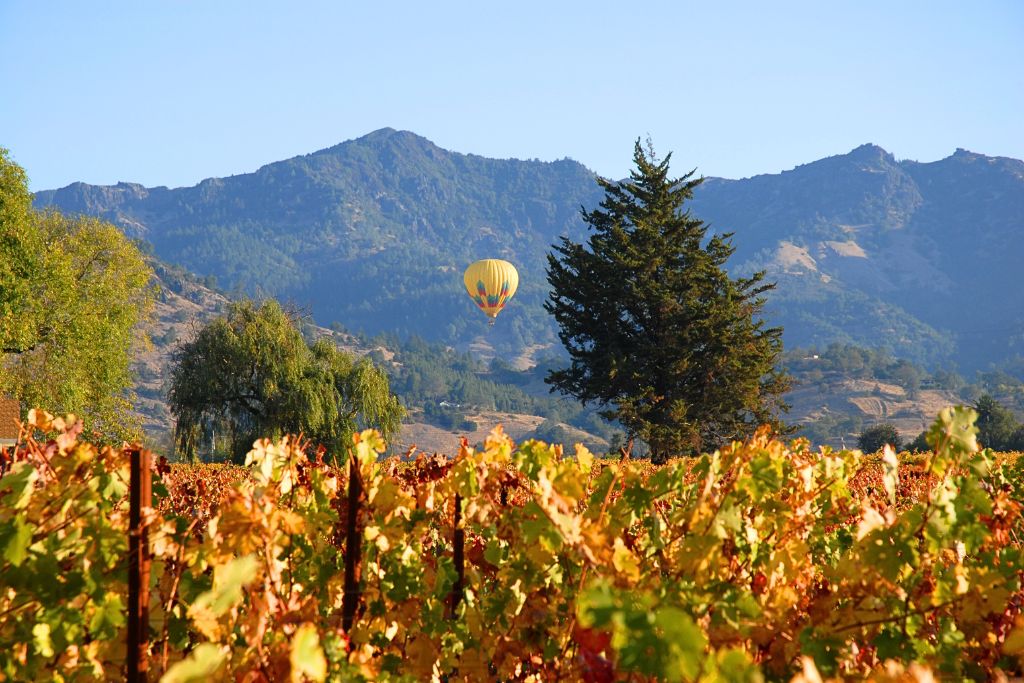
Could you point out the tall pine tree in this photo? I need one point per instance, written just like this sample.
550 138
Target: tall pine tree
655 328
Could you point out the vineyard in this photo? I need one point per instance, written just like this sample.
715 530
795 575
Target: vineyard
764 561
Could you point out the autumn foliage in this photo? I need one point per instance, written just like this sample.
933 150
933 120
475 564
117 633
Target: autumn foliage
765 560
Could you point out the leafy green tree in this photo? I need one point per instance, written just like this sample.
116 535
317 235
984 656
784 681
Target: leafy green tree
948 380
21 250
908 377
876 436
655 327
250 374
996 424
72 290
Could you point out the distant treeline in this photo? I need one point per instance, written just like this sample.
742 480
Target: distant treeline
447 385
443 386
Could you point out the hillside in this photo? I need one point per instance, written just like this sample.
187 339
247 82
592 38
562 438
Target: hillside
185 304
879 252
374 233
838 408
449 395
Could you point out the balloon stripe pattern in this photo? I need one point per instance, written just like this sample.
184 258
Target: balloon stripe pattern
491 283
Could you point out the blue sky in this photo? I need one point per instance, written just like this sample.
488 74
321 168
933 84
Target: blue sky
169 93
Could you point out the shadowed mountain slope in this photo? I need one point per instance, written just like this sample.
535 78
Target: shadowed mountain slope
374 233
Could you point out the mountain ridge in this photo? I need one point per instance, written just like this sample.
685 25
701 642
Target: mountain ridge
373 232
387 132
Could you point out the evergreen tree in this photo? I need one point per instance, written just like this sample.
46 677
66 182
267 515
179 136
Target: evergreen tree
657 331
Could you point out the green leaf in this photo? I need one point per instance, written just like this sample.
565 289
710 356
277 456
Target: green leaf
659 641
17 485
228 581
892 644
824 648
729 518
952 433
108 618
734 666
493 552
600 487
198 667
15 538
684 641
891 555
307 657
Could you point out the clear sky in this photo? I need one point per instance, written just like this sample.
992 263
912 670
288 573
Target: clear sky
169 93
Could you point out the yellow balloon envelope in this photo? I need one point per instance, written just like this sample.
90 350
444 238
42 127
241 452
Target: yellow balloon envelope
491 283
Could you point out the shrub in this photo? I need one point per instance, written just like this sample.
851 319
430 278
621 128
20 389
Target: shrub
919 444
875 437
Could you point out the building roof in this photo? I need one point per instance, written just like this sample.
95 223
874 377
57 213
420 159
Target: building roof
10 413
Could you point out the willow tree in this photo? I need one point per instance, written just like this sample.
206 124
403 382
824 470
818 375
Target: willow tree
656 330
251 374
72 292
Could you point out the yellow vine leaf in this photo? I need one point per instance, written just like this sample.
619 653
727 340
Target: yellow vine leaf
307 657
200 666
624 561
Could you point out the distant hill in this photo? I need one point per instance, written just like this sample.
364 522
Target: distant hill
838 391
921 258
884 253
183 305
427 378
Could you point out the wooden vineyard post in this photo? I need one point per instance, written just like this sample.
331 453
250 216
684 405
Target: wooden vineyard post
140 496
353 547
458 553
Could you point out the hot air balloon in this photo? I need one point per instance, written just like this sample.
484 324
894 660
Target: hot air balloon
491 283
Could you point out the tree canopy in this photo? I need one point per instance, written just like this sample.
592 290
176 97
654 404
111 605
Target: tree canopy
874 438
998 427
72 290
251 374
655 327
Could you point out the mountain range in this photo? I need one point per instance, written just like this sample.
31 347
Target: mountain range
373 233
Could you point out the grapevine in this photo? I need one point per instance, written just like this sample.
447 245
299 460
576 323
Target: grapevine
763 560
